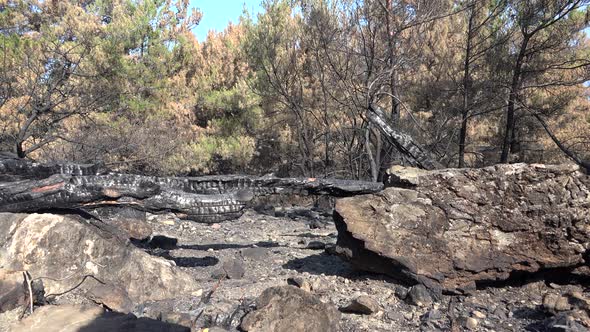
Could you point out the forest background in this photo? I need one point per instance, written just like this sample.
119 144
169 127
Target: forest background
126 83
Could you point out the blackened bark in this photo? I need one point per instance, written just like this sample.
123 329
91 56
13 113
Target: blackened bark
512 98
412 153
585 164
466 88
27 187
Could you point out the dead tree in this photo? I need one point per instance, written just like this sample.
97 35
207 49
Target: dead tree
412 153
585 164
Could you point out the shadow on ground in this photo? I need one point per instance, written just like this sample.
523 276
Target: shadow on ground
189 261
322 263
332 265
110 321
223 246
161 246
171 243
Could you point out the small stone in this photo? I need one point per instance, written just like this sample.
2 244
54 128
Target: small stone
431 315
299 282
555 303
316 245
549 301
579 301
197 293
111 296
215 226
500 312
316 224
471 323
231 269
180 318
317 285
169 222
562 304
419 295
363 305
401 292
478 314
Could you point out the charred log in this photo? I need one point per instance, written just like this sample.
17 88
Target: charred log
68 191
29 187
217 184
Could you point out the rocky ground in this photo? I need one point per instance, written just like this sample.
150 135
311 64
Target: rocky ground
232 263
269 251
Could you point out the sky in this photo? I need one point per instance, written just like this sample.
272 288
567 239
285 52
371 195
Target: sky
217 13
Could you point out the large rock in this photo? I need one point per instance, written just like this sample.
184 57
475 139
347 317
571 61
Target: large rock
288 308
64 249
455 228
70 318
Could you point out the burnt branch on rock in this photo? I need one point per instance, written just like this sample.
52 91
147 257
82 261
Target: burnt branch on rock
28 187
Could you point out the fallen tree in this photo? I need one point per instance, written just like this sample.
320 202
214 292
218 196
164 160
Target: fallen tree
28 187
585 164
411 152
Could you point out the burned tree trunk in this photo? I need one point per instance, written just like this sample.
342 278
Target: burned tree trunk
412 153
28 187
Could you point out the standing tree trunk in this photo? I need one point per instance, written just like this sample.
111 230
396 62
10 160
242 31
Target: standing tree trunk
395 113
512 97
466 84
372 163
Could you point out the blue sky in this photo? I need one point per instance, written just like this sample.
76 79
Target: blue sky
217 13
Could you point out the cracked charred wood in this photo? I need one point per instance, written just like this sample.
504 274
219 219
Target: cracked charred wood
216 184
19 169
14 169
412 153
87 192
27 187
